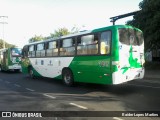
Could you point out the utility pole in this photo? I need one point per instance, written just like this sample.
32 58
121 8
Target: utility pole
115 18
3 22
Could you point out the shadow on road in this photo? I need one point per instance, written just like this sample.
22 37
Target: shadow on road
83 88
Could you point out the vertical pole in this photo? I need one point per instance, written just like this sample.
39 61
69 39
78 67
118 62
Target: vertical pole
4 45
113 22
3 29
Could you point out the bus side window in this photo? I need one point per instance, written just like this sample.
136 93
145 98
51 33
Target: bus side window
52 49
31 52
87 44
67 47
105 40
40 52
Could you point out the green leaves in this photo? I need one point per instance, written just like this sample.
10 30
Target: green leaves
36 39
7 45
57 33
60 32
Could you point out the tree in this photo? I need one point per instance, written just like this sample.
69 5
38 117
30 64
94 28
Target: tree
36 38
60 32
57 33
148 20
64 31
7 45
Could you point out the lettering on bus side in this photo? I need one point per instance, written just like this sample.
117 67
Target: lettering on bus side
42 62
50 63
103 63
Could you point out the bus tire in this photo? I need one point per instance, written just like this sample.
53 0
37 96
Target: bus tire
31 73
67 77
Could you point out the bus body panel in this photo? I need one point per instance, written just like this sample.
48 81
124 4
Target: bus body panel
50 67
92 69
131 56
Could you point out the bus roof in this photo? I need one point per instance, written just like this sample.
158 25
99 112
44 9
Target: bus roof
84 32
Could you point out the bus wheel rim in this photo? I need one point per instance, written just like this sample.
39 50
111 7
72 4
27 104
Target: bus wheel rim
67 78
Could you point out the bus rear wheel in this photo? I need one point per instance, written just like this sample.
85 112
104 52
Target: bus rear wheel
67 76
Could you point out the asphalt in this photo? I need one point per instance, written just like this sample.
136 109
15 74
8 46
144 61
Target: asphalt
152 74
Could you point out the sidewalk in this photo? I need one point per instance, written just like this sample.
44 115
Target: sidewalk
152 74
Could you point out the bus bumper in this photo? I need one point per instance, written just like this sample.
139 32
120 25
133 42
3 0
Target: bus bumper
14 67
131 74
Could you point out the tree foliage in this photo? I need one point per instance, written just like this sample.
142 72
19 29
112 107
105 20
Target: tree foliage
148 20
36 38
7 45
57 33
60 32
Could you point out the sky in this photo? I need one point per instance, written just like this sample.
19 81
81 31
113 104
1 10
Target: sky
27 18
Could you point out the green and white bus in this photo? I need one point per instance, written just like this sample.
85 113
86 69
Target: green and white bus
10 59
108 55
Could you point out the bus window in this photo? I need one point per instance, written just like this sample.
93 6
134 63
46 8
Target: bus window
40 47
87 44
52 45
52 49
130 37
140 38
31 52
16 52
31 48
105 40
67 47
40 52
123 36
88 39
67 42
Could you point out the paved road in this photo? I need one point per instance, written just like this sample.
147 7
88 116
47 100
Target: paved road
20 93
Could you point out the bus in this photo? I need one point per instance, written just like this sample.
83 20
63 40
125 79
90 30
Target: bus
108 55
10 59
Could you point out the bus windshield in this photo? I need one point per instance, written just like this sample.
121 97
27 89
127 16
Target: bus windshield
16 52
130 37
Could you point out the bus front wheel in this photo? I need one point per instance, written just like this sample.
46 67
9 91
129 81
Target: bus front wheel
31 73
67 76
